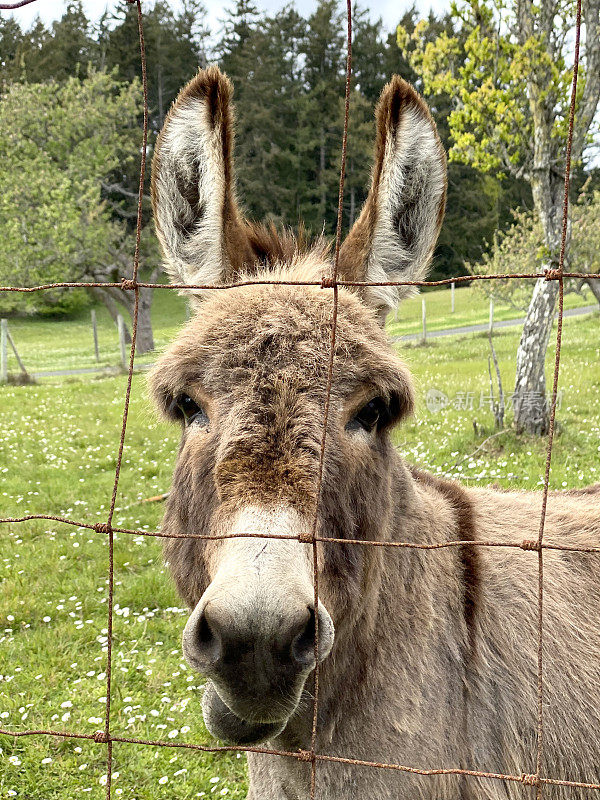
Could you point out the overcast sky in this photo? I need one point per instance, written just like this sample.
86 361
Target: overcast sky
389 10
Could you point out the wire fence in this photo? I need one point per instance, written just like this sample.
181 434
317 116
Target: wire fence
331 282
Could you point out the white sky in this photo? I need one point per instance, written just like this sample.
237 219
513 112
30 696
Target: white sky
389 10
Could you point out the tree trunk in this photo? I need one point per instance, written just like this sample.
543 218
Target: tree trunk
113 298
322 174
594 284
111 306
529 400
531 410
159 83
352 196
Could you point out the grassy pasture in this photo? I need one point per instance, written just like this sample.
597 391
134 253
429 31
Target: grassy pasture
58 443
41 349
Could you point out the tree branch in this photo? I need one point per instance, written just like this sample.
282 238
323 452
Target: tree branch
591 90
116 187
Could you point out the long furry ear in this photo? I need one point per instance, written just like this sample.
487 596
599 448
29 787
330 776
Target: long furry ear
198 222
394 237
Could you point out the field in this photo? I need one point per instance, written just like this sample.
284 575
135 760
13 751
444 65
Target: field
42 350
58 445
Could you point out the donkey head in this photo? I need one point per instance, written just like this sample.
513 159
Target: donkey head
246 380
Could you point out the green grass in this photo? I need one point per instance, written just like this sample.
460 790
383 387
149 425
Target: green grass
58 457
458 367
58 445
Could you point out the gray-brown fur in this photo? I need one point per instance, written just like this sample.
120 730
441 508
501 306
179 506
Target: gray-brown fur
428 657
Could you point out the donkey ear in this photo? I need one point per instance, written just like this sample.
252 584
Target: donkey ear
394 236
197 218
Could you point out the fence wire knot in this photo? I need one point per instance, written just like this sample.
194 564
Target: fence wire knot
100 737
306 538
126 283
306 755
553 274
530 544
327 282
102 527
529 780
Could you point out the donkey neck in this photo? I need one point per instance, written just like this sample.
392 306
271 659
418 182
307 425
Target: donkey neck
405 593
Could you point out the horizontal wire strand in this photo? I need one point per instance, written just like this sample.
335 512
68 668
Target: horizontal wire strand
305 537
330 283
303 755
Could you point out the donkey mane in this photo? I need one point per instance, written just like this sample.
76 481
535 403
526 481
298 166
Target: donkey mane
271 245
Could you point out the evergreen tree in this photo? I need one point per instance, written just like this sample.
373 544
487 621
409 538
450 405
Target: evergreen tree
239 25
65 50
175 48
368 63
11 43
175 44
324 77
361 133
264 64
289 76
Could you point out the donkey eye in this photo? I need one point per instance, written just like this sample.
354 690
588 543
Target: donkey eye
186 408
369 415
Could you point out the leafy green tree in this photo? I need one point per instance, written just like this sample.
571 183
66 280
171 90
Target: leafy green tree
57 142
585 249
508 68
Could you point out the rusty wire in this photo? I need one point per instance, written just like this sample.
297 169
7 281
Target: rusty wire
325 283
136 263
13 6
307 537
328 282
559 275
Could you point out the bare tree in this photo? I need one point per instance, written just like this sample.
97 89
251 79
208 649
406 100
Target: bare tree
511 103
547 182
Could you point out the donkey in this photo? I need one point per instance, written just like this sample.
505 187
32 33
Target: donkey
428 658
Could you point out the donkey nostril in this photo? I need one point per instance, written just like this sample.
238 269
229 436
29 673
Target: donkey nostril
208 640
204 633
303 645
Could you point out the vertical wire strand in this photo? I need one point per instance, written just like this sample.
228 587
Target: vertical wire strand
332 282
135 271
551 427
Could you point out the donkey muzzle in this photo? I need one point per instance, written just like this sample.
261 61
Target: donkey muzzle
257 660
255 633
